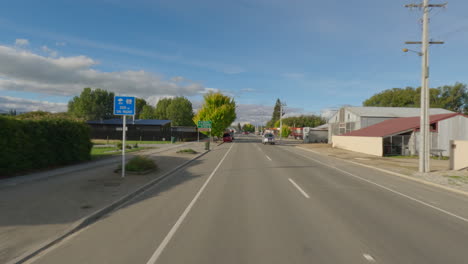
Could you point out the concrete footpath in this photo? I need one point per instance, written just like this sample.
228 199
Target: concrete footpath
38 209
440 173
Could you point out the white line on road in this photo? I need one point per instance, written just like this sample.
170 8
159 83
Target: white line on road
299 188
176 226
386 188
268 157
368 257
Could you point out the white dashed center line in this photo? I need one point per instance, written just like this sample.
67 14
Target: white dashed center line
368 257
299 188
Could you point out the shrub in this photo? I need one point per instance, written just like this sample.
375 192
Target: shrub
28 144
119 146
136 145
140 163
191 151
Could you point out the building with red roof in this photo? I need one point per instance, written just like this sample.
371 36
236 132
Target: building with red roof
400 136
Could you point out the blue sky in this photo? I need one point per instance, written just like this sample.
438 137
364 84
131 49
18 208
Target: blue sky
313 55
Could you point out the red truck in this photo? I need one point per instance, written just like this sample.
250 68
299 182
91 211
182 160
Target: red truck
297 132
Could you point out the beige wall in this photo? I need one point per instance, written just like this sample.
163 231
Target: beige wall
458 154
367 145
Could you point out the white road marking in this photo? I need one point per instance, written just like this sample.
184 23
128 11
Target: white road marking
176 226
299 188
268 157
386 188
368 257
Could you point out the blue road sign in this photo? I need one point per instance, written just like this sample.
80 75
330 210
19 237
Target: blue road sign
124 105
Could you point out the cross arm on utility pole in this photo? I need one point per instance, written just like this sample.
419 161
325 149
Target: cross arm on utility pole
420 42
430 5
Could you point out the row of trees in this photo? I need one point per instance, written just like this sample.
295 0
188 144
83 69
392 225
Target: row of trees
97 104
248 127
293 121
450 97
179 110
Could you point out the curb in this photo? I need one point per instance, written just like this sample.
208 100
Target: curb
396 174
17 180
93 217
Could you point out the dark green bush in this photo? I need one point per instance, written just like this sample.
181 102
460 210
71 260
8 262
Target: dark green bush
140 163
119 146
40 143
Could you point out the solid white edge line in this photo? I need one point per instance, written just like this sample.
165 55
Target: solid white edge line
176 226
299 188
388 189
268 157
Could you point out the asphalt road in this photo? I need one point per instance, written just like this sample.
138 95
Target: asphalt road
249 203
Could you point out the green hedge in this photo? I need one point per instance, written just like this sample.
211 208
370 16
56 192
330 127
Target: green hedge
34 144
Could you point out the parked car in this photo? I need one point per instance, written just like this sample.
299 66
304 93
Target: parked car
227 137
268 139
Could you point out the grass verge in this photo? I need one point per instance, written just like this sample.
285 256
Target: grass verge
415 157
97 153
128 142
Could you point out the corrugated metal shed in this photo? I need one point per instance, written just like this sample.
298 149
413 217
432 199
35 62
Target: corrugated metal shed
396 126
143 122
392 111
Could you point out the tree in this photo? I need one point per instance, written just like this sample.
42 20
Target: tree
285 131
451 97
147 112
161 108
219 109
248 127
92 104
239 127
302 121
180 112
276 114
139 104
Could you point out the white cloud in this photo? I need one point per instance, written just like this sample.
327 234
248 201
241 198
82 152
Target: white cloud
60 43
22 70
26 105
51 52
21 42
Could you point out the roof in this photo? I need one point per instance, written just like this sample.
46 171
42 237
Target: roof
118 121
396 126
321 127
392 111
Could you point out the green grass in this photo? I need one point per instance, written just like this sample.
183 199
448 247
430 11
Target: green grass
97 153
128 142
191 151
402 157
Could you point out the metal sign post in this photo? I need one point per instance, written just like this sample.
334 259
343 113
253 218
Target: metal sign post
124 106
123 145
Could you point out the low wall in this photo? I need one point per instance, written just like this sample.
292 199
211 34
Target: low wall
367 145
458 154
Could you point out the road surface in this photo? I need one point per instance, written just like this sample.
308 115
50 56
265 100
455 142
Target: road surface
251 203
